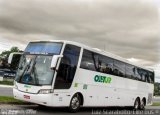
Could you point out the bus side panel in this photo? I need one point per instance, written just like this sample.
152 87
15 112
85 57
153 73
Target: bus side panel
118 92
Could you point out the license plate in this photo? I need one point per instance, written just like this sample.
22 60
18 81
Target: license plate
26 97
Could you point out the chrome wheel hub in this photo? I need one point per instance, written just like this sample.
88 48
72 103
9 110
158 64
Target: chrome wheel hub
75 103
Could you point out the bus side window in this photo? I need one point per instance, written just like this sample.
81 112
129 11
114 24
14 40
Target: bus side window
106 64
151 77
119 68
137 74
129 71
88 60
67 67
144 75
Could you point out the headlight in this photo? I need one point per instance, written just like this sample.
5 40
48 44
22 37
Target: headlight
45 91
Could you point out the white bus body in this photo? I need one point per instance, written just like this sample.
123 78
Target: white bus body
96 83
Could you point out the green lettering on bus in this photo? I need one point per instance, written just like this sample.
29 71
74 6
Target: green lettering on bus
96 78
27 86
102 79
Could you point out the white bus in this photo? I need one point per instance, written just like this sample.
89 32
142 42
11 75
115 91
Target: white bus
62 73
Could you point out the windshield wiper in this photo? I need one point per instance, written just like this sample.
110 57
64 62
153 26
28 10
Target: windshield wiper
33 70
26 69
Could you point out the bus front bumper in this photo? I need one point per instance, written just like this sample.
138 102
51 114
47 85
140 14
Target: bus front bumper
41 99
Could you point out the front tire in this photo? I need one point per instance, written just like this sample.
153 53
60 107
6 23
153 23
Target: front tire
75 103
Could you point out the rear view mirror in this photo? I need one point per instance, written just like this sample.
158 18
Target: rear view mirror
12 56
54 60
13 60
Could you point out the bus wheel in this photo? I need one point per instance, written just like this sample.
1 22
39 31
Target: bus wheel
142 107
136 104
75 103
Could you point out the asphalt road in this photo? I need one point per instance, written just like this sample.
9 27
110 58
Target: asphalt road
6 91
36 110
156 99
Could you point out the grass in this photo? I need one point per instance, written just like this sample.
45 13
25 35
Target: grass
156 104
157 96
11 100
6 82
6 99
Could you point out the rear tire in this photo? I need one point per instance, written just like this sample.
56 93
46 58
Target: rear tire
75 103
136 104
142 107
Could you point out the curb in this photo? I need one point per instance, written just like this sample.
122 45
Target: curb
7 86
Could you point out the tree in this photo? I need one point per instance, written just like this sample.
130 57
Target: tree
5 54
157 89
14 49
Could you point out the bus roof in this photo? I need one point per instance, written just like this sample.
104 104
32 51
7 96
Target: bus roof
96 50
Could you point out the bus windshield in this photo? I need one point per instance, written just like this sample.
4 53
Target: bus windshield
34 66
35 70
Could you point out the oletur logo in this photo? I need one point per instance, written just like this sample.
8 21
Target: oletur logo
27 86
102 79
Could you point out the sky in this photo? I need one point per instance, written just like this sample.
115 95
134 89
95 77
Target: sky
128 28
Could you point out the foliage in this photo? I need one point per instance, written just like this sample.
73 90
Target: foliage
4 57
6 82
6 99
7 52
156 104
157 89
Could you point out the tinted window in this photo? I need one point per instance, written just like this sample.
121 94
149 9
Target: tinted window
89 61
148 78
144 75
97 62
130 71
151 77
119 68
137 73
105 64
67 68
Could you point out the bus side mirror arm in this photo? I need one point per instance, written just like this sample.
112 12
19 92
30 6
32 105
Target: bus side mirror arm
54 61
10 58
